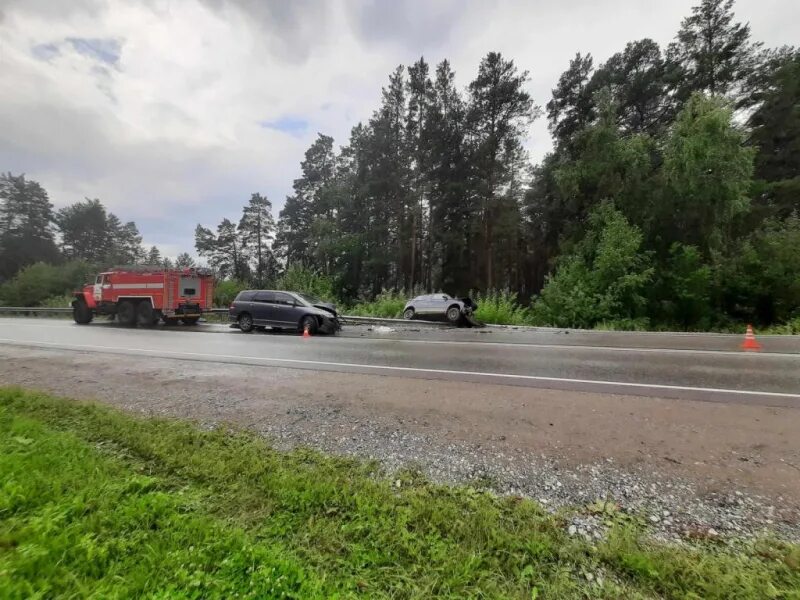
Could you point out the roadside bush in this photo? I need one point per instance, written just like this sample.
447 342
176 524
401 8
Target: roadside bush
623 325
501 307
64 301
226 290
388 305
605 278
298 278
683 288
789 328
40 281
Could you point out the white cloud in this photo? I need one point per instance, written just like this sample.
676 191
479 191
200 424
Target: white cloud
171 132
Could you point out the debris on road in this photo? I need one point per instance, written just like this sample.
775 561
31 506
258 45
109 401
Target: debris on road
381 329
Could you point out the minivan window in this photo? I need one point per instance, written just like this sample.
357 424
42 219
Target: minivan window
245 297
285 299
267 297
310 299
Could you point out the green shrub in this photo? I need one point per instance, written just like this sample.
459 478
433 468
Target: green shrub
791 327
388 305
225 291
605 278
64 301
298 278
623 325
40 281
501 307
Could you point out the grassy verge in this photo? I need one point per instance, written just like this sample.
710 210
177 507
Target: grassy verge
95 503
387 305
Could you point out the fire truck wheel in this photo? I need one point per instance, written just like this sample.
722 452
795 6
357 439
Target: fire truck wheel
126 312
81 313
145 315
190 320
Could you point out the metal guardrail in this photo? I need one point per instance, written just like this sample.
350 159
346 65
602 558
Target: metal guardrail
356 320
35 309
68 310
346 319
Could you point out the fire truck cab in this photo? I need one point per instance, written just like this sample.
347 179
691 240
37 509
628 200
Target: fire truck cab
144 295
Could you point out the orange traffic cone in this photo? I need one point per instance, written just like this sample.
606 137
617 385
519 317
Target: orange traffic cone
750 342
306 331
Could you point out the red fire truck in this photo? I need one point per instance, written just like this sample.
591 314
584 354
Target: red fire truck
142 295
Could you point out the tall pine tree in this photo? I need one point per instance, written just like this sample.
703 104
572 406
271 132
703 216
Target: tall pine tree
26 224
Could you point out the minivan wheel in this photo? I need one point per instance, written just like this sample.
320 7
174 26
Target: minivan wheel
408 314
310 322
245 323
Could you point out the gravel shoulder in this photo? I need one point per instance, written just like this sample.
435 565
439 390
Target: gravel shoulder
687 468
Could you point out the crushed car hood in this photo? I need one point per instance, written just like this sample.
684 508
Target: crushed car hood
327 307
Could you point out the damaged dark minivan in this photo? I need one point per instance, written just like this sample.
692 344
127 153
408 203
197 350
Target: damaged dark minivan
280 309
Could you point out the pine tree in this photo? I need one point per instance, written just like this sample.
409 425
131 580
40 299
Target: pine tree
154 257
499 113
184 261
26 224
571 108
84 231
294 241
451 207
776 133
417 136
125 242
225 250
256 229
388 188
712 53
636 78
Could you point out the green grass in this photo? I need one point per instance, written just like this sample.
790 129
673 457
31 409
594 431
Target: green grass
388 304
792 327
98 504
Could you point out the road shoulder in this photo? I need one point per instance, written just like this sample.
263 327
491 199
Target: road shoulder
731 468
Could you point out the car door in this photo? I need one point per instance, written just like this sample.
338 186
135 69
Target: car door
242 303
263 303
284 311
422 306
440 303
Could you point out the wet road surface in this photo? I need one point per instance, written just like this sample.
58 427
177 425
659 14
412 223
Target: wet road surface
706 367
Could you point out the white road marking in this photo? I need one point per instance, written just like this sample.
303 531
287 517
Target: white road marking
582 347
577 347
178 354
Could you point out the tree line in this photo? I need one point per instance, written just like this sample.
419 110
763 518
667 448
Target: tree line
670 198
32 231
46 252
242 252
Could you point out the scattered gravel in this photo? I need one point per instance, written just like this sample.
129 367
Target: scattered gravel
674 510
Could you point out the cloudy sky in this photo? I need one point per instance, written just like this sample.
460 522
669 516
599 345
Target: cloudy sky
173 111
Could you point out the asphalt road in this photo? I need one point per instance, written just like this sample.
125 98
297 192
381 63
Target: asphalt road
698 367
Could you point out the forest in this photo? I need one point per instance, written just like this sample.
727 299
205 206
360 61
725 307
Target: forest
670 199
